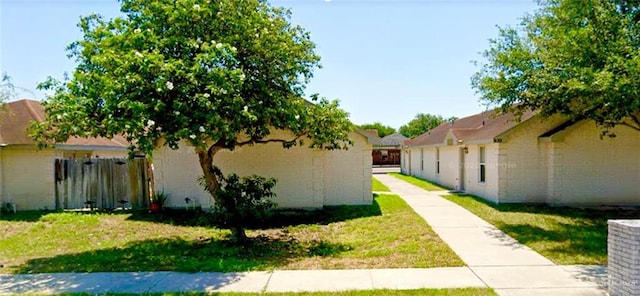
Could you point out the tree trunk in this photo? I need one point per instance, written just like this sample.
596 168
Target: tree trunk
239 236
210 177
212 184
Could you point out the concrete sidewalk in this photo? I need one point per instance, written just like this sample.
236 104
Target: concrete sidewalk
502 263
276 281
494 260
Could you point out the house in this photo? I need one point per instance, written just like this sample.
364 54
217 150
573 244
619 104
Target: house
388 151
306 178
28 174
535 160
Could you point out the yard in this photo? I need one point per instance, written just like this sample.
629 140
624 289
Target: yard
564 235
387 234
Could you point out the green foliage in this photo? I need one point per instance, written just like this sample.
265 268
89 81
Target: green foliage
244 201
421 124
159 197
215 75
7 89
383 130
211 73
579 58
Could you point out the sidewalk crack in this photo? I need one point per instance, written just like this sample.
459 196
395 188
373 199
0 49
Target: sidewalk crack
266 285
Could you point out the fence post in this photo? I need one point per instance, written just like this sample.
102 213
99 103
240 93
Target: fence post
623 246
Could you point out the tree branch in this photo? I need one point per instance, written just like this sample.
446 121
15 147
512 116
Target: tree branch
260 141
633 126
624 123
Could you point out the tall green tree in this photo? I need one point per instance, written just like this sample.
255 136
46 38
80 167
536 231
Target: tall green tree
580 58
216 75
383 130
422 123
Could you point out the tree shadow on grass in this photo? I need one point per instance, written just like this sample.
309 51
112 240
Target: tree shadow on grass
176 254
574 240
24 216
577 232
280 218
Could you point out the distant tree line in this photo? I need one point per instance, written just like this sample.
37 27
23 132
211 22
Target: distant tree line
420 124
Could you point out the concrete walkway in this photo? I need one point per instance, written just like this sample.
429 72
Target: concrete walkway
494 260
502 263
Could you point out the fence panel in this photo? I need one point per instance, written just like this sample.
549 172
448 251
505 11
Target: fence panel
101 183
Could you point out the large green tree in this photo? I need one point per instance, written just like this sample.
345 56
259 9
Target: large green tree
422 123
383 130
213 74
580 58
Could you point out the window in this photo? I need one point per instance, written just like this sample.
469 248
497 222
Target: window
422 159
437 160
483 170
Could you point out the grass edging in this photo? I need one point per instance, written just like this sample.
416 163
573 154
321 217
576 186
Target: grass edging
422 183
377 186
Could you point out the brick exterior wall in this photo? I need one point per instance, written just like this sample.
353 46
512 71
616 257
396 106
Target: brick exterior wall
307 178
624 257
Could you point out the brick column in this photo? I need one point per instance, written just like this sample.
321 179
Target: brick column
623 247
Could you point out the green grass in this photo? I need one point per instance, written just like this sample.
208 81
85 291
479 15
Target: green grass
424 184
425 292
386 234
564 235
377 186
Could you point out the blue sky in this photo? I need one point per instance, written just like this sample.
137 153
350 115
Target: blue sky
385 60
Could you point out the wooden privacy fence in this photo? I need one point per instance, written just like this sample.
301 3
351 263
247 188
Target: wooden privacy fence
103 183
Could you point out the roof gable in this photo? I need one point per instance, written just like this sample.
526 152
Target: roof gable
483 126
394 139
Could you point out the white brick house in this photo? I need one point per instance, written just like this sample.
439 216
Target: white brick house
538 160
307 178
26 172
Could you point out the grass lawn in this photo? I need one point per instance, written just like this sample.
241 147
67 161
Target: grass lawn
387 234
564 235
424 184
425 292
377 186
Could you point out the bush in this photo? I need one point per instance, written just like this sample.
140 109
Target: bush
243 202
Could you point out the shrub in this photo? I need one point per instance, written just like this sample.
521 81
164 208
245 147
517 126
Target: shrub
243 202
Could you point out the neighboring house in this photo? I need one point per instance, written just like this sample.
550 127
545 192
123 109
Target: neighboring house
27 174
388 151
536 160
306 178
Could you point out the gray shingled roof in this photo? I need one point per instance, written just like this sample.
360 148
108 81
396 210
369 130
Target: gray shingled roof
394 139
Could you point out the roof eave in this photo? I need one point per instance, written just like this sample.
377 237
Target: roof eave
90 147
